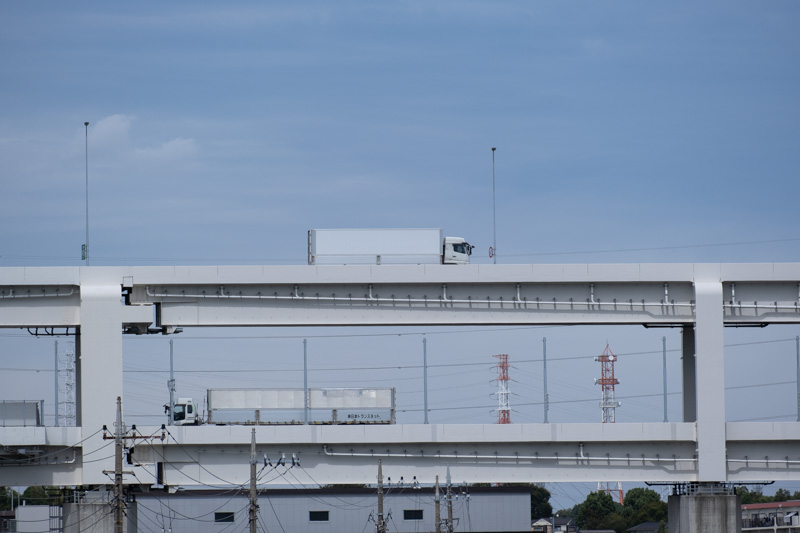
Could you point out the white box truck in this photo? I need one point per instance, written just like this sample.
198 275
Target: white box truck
385 247
288 407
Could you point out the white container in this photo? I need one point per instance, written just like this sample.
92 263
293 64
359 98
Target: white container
374 246
286 406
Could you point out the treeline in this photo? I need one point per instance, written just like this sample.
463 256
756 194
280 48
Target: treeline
10 498
756 496
600 511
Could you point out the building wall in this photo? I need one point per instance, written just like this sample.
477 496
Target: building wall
783 516
347 512
32 518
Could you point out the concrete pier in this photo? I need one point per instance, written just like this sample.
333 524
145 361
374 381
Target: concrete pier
705 513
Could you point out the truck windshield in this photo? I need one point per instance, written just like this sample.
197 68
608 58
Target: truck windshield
180 413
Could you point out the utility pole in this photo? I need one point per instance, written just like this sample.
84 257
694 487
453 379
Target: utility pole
253 493
450 527
438 515
119 448
171 386
381 525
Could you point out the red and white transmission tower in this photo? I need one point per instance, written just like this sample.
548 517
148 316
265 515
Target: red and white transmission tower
503 411
608 405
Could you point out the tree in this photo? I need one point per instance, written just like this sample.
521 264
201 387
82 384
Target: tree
638 497
540 503
40 495
570 512
781 495
643 505
8 498
593 511
650 512
614 521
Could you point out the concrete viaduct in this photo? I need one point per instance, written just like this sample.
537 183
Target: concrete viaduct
101 304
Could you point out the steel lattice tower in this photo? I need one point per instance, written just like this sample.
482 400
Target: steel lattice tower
608 405
503 411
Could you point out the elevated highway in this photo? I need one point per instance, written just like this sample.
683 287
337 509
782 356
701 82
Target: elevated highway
102 304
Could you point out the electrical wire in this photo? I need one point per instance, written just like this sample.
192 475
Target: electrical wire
101 508
280 524
197 462
654 248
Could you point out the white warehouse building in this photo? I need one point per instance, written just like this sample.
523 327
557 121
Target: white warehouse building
332 510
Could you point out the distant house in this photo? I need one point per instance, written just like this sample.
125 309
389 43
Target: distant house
554 525
645 527
771 516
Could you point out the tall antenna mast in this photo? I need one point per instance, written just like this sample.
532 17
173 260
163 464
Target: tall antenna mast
493 253
503 410
608 406
86 246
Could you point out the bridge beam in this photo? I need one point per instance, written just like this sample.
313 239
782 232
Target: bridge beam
701 299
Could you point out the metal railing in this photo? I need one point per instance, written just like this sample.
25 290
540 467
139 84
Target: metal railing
16 413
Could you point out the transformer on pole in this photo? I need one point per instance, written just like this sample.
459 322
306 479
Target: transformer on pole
608 406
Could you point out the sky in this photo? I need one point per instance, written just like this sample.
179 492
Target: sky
220 133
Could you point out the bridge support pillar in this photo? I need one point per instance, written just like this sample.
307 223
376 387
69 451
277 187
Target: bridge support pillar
705 513
99 367
689 374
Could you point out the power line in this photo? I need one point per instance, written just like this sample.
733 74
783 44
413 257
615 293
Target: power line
388 367
266 261
349 335
628 397
656 248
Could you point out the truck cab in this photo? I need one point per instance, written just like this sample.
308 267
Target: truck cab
185 412
456 251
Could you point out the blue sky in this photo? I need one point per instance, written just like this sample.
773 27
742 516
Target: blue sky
222 133
219 134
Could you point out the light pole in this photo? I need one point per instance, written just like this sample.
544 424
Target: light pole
86 246
494 215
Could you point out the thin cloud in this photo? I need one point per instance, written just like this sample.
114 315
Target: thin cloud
174 150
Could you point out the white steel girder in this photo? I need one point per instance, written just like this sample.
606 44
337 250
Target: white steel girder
702 299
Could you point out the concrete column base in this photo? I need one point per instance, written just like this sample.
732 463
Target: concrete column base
705 513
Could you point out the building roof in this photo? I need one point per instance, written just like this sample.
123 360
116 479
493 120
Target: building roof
644 527
407 489
771 505
559 521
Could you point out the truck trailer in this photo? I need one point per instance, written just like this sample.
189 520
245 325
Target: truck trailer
386 246
288 407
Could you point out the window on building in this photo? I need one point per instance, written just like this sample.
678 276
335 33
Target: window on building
223 517
318 516
412 514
